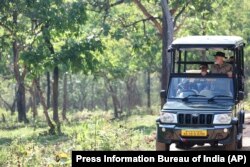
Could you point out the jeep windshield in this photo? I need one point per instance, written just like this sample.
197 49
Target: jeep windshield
211 89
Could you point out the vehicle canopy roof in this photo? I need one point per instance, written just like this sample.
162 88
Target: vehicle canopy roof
206 42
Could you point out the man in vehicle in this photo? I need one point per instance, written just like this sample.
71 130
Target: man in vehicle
220 66
204 68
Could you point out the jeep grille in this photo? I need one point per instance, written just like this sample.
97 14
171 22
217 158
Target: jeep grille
189 119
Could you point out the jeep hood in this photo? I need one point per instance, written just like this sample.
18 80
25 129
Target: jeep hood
179 105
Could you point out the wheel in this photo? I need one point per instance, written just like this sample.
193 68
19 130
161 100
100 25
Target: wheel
239 143
233 145
162 146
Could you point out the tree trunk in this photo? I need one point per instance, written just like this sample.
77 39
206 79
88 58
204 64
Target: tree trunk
167 38
129 96
48 89
82 98
115 101
34 108
33 92
132 93
65 97
113 93
14 105
21 106
92 97
55 99
46 37
3 118
148 90
20 96
45 108
203 28
28 104
105 101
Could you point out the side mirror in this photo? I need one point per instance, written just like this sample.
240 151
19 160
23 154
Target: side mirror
241 95
163 94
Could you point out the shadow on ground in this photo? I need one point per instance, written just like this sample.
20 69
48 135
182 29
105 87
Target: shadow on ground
5 141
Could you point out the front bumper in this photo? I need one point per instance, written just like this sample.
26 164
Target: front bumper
172 134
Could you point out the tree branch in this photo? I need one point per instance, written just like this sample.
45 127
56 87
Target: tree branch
102 6
148 15
180 12
10 106
138 21
117 3
24 72
176 28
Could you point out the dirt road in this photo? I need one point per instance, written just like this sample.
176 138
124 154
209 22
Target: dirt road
246 140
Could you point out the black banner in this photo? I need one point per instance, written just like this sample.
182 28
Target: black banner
158 158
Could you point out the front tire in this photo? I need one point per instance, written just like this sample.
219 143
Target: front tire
162 146
234 144
239 144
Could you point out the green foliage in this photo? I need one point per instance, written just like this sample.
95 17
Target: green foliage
62 21
129 47
43 26
61 16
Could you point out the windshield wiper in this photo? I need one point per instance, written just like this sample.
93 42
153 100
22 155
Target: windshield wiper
186 98
212 98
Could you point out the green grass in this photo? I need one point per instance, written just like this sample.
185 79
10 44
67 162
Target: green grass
28 145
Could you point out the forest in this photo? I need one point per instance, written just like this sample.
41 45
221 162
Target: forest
86 74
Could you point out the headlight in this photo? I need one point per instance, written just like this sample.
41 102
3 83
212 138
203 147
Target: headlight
222 118
168 117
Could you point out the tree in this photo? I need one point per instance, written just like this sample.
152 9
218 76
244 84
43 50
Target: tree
59 21
166 30
16 26
167 35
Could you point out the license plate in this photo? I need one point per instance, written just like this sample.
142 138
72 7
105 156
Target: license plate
200 133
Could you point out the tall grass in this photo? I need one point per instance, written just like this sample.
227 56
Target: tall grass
29 145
